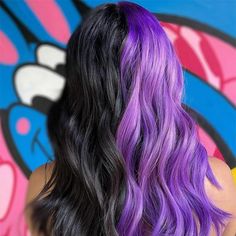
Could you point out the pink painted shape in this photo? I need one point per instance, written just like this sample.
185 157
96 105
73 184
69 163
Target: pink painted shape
209 144
9 54
185 46
218 154
226 55
220 57
7 181
52 18
14 223
23 126
207 141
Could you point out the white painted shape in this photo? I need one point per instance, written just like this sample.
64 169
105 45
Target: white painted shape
34 80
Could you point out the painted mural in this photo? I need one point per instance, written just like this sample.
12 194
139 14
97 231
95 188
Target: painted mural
33 36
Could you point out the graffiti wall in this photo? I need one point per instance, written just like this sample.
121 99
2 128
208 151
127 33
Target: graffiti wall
33 36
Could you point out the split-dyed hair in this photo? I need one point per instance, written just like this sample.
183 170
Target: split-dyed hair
128 160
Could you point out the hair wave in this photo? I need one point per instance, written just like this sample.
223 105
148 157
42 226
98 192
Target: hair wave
128 160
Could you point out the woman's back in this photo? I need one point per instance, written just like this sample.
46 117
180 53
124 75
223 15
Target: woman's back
224 199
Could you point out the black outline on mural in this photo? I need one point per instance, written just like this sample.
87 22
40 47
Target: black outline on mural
81 7
25 31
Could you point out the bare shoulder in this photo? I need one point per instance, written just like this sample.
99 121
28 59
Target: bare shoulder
37 180
224 176
223 198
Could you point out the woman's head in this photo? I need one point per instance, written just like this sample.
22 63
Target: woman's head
128 160
115 57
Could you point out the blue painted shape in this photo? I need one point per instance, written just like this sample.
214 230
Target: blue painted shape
71 14
25 54
34 147
29 19
213 106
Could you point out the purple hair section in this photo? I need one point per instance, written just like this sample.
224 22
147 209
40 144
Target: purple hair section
165 162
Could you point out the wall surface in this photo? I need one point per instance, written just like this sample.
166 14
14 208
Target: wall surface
33 36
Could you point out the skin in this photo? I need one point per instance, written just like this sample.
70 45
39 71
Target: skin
224 199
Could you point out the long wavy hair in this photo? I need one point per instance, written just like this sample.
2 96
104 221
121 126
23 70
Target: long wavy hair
128 159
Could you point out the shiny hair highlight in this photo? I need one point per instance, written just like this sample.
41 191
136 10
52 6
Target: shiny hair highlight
128 160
